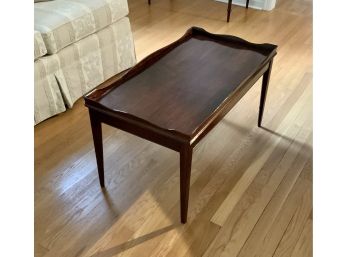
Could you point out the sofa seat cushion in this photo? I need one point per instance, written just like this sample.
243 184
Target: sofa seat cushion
39 45
63 22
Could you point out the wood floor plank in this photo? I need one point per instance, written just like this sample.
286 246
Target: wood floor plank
249 175
241 221
281 207
246 224
111 203
304 246
265 245
296 225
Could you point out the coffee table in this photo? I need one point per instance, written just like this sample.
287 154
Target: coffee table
176 95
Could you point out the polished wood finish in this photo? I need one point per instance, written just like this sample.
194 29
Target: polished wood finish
264 89
178 89
167 100
185 174
98 144
137 212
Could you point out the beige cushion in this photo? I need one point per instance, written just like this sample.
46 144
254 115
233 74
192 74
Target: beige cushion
39 45
63 22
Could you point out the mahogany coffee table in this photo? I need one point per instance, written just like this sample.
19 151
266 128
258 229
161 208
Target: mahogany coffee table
176 95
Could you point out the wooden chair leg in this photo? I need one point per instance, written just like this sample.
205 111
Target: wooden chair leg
229 8
185 174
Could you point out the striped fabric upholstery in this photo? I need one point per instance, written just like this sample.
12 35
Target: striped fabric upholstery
39 45
82 66
89 62
63 22
48 100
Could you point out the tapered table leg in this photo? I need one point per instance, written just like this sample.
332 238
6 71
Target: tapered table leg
247 4
229 7
98 145
149 2
185 174
264 89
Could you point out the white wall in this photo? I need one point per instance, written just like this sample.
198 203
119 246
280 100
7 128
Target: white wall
256 4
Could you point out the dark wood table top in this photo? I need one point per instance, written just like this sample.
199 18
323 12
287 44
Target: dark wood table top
180 87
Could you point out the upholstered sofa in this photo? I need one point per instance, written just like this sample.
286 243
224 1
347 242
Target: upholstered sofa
78 44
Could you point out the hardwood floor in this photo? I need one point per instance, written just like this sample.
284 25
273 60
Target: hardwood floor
251 188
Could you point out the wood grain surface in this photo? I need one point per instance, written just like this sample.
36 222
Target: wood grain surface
180 86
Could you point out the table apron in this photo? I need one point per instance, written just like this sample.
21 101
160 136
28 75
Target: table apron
166 139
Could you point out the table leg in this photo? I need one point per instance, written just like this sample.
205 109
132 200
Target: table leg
247 4
98 145
149 2
264 89
229 10
185 174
